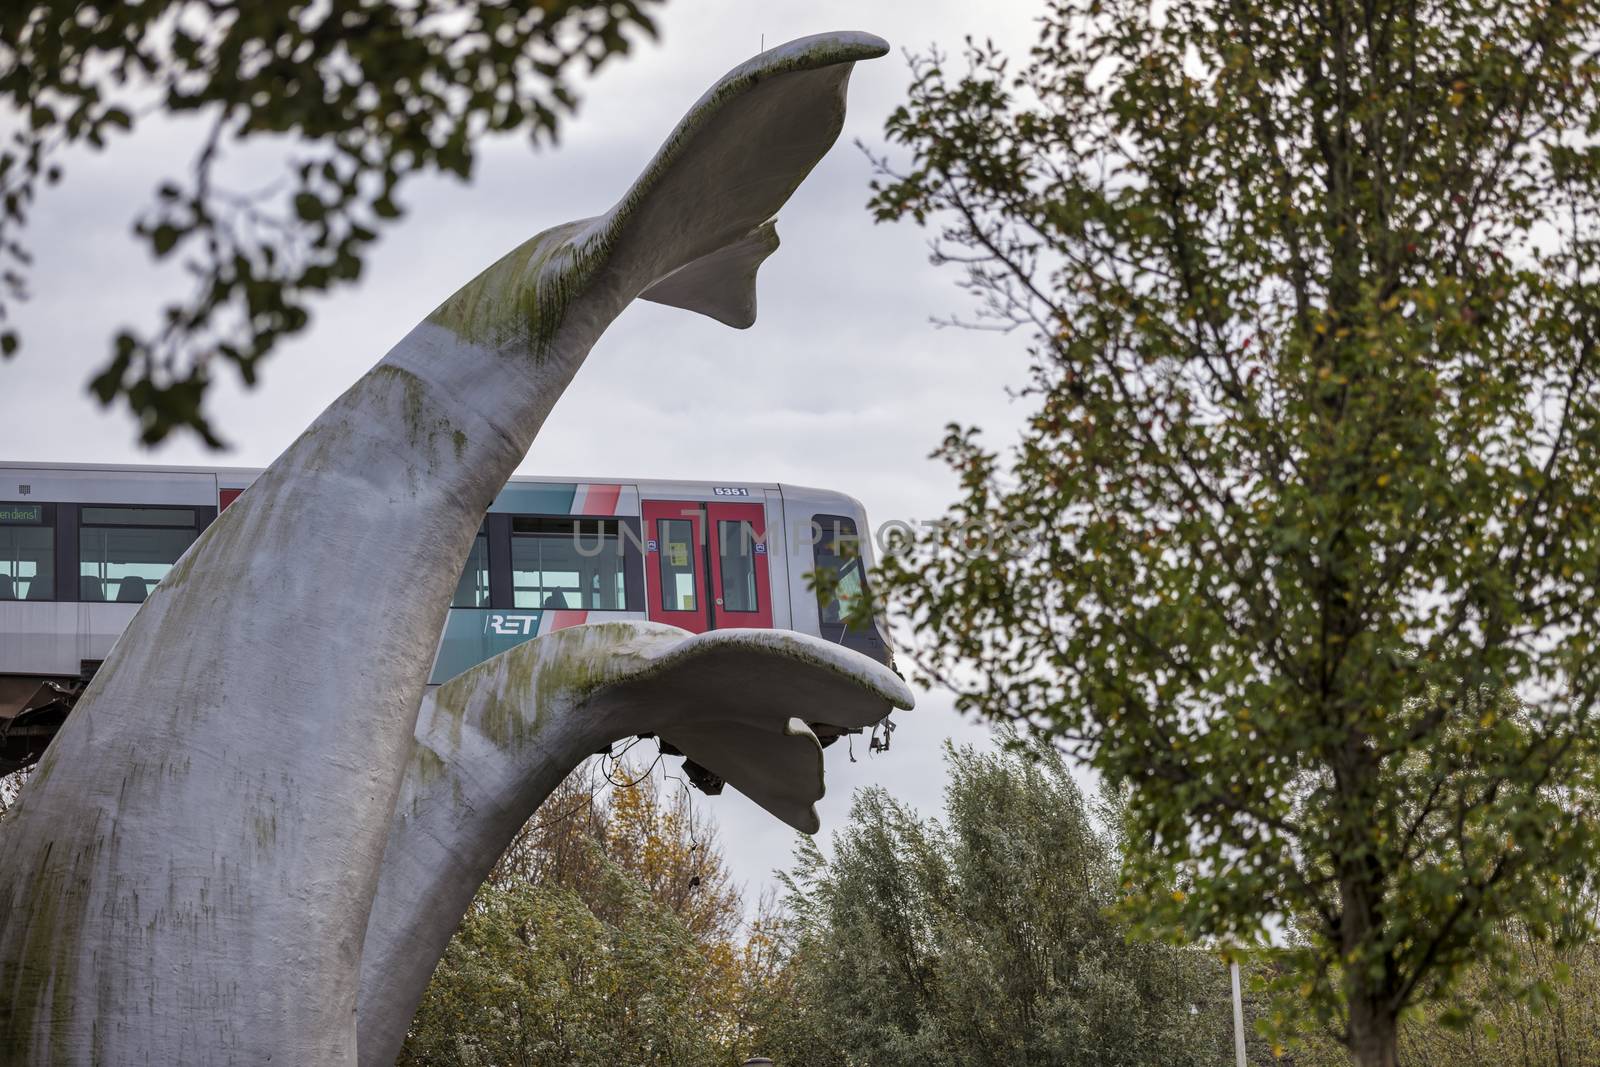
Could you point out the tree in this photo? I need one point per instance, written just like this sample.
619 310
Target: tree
1310 477
370 94
609 932
1555 1026
535 976
984 939
1550 1026
611 813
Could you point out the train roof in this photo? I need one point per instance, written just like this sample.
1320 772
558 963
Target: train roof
253 472
244 475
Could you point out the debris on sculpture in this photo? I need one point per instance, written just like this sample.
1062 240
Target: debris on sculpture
254 834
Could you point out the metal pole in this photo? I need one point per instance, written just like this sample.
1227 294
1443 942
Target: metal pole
1238 1019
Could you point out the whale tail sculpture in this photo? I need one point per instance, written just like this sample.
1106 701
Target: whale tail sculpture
694 228
189 875
493 742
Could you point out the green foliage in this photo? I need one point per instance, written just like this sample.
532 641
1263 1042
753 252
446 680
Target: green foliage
1312 468
534 976
369 94
608 933
984 939
1553 1024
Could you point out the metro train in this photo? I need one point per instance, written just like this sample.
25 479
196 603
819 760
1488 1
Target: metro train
82 546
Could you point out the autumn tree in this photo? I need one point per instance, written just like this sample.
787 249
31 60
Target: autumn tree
1310 475
609 932
536 976
647 825
365 96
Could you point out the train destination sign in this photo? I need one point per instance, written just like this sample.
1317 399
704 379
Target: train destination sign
21 513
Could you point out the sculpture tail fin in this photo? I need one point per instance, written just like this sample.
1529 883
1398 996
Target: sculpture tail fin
696 225
721 285
694 228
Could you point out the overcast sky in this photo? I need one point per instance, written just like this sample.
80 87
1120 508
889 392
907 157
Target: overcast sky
842 383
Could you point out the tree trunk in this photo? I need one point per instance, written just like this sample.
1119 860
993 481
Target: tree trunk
1374 1034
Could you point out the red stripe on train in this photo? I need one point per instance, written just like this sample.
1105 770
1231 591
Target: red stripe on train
560 620
598 499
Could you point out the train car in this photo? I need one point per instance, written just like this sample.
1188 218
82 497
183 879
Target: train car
82 546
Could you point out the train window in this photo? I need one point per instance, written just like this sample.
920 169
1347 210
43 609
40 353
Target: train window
839 551
472 591
124 552
27 552
562 564
677 564
736 552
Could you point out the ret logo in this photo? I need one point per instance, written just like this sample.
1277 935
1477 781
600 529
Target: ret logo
511 625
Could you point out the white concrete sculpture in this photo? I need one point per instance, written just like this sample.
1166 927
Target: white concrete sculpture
488 752
190 874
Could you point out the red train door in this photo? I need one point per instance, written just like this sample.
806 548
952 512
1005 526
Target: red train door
676 573
742 591
706 564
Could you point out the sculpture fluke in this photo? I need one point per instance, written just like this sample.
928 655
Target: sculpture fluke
188 876
493 742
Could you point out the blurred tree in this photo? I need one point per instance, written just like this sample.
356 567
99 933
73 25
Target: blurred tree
365 95
1312 472
984 940
556 844
1556 1024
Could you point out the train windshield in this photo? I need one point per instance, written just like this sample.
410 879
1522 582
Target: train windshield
838 550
